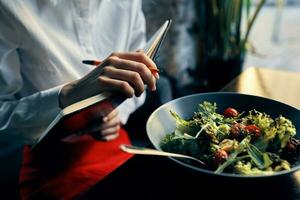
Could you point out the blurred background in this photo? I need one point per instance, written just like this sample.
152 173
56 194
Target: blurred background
273 41
276 36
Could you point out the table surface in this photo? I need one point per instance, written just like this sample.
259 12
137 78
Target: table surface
280 85
150 177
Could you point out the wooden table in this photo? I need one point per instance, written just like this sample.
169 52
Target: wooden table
275 84
148 177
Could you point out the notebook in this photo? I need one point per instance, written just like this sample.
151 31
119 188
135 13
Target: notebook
85 116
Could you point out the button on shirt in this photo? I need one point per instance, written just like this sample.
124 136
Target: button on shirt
42 44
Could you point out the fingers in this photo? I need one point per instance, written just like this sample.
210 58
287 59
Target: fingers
110 137
110 131
111 115
135 61
140 68
107 134
121 72
111 123
133 78
136 56
106 83
140 57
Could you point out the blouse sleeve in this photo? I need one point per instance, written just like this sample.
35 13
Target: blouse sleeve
21 119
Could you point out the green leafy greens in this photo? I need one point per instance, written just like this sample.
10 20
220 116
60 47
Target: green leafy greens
245 143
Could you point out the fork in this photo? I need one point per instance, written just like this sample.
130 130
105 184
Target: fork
147 151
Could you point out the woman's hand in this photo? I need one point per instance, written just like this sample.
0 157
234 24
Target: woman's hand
127 73
110 127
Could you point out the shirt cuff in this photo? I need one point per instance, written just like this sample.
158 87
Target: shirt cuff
129 106
49 99
48 109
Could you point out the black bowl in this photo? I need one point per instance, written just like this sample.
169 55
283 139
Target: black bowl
161 122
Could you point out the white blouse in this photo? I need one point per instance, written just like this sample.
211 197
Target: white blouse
42 44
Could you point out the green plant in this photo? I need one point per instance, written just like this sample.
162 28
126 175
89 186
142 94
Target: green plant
226 27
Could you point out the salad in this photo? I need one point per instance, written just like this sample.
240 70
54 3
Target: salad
246 143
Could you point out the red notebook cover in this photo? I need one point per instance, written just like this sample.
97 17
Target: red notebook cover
85 120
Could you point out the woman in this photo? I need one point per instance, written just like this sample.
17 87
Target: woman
42 44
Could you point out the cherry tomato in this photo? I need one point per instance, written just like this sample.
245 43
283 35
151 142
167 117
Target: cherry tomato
253 130
230 112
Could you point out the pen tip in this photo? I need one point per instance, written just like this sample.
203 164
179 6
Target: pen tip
88 62
91 62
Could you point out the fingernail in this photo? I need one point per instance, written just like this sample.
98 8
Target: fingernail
156 75
110 137
153 89
105 119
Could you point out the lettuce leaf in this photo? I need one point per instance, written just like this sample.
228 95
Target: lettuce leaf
261 160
